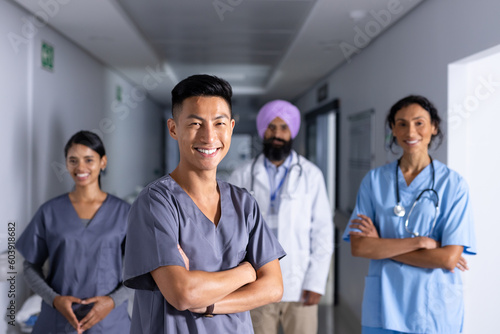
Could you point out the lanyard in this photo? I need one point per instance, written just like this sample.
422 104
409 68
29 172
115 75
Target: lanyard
276 191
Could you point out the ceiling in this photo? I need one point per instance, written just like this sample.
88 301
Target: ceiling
266 49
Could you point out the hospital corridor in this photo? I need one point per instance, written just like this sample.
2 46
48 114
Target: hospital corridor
325 75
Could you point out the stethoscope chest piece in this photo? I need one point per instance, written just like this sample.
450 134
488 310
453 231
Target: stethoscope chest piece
399 210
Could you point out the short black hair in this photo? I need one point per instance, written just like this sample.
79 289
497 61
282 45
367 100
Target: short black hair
425 104
200 85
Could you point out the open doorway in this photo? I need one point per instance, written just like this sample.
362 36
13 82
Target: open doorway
321 149
321 144
473 119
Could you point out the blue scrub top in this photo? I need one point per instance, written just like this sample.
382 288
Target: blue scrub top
162 217
84 261
405 298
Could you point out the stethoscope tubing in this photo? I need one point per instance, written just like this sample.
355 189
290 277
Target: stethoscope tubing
399 209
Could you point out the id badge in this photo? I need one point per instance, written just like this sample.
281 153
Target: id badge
272 218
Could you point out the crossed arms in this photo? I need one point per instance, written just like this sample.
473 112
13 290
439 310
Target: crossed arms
235 290
421 252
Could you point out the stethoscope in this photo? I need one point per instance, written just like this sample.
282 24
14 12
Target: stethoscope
399 209
288 172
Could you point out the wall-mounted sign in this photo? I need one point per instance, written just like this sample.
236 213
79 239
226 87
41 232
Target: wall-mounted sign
47 56
322 93
119 93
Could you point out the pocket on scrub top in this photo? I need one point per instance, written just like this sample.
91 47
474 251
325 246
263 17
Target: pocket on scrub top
445 307
371 309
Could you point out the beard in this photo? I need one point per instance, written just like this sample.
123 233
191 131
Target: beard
277 153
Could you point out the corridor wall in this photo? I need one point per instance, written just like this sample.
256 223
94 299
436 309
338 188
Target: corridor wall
40 110
412 57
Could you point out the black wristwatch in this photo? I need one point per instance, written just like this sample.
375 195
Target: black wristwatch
209 312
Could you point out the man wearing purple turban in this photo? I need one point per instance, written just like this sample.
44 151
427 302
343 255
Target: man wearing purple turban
291 194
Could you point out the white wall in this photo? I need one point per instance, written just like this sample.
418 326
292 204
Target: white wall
42 109
81 94
474 99
410 58
14 123
133 134
62 102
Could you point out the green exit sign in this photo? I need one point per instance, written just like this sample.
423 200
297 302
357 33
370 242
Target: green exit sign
47 56
119 93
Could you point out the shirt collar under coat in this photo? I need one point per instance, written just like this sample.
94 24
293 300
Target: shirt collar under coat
260 166
261 177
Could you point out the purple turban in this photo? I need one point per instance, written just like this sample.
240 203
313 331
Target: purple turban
282 109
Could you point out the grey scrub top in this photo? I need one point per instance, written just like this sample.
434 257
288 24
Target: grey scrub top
162 217
85 261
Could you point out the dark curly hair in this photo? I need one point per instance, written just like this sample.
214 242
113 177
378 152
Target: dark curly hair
425 104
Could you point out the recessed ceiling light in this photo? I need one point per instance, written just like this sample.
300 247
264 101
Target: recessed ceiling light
231 76
357 15
101 39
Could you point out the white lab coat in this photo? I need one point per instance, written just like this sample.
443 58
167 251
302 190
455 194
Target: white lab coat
305 222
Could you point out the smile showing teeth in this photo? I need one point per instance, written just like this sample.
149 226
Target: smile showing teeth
411 142
207 151
82 175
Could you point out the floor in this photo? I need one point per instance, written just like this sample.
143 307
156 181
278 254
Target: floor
330 322
326 320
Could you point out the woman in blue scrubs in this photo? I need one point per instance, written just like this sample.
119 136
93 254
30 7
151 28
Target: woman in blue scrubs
413 220
82 234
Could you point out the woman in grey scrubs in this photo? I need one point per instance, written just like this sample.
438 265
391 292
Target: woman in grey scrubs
82 234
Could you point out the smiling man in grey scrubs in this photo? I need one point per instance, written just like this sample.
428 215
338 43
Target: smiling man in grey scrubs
198 252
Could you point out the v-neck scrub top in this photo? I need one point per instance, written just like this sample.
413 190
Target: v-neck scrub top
84 261
164 216
405 298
